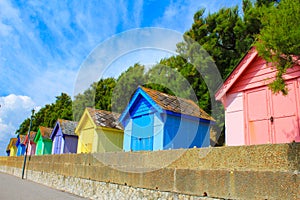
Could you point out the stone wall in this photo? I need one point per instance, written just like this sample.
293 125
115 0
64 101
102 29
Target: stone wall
245 172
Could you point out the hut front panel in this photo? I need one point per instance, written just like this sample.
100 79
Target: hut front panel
142 133
272 118
158 132
234 120
70 144
127 136
109 140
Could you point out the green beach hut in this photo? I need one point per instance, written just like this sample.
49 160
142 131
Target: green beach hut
43 141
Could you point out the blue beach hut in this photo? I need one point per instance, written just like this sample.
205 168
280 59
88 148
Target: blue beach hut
156 121
20 145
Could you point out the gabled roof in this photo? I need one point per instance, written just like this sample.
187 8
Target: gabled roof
67 127
12 142
31 136
177 104
105 118
169 103
45 132
20 139
236 73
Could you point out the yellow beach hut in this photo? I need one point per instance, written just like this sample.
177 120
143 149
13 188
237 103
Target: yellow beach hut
12 147
99 131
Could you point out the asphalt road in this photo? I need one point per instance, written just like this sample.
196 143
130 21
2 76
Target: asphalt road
12 187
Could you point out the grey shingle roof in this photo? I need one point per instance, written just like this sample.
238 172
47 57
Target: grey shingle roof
177 104
68 127
105 118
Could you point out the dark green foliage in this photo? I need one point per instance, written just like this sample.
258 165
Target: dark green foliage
126 85
98 96
279 39
104 92
47 115
225 35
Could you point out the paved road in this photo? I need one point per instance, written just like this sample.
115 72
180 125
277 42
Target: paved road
12 187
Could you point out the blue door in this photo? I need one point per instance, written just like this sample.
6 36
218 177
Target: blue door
142 133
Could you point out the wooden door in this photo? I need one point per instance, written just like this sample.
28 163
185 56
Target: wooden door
57 144
258 126
272 118
142 133
284 112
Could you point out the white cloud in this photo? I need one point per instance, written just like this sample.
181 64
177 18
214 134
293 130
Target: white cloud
179 14
14 109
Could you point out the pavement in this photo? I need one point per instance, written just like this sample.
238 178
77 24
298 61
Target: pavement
14 188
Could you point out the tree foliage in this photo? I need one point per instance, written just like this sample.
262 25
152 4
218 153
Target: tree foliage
279 39
126 85
98 95
215 39
47 115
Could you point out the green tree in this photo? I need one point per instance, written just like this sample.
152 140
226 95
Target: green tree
104 92
168 79
279 40
98 95
47 115
81 101
126 85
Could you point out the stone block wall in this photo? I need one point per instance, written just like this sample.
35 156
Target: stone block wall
243 172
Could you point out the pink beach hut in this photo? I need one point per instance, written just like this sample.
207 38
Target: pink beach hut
253 114
31 145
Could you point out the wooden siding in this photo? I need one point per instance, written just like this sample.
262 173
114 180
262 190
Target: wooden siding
58 144
234 120
284 111
260 74
31 148
39 147
142 107
158 132
20 149
85 141
70 145
142 133
127 136
13 151
185 133
47 147
58 140
85 132
43 147
109 140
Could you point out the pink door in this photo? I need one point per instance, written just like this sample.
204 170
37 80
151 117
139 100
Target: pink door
285 115
272 118
258 126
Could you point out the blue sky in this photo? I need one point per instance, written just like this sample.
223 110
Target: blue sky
44 43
